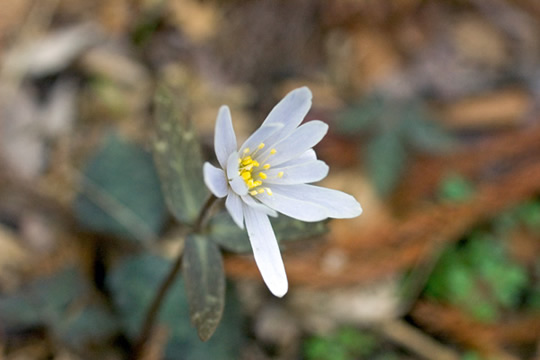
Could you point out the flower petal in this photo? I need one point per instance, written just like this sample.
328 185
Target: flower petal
309 155
215 180
298 142
283 119
295 208
337 204
306 172
224 137
239 186
232 165
235 181
292 109
251 202
233 203
266 251
261 135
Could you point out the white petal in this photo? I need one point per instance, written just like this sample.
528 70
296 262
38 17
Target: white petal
239 186
295 208
336 203
307 172
250 201
233 203
266 251
287 115
224 137
298 142
260 136
309 155
292 109
215 180
232 165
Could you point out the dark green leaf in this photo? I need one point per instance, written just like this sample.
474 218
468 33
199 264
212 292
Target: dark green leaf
362 116
120 192
178 157
86 326
229 236
386 160
289 229
133 284
425 134
202 268
42 301
62 303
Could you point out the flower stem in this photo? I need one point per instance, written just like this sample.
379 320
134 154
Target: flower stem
153 310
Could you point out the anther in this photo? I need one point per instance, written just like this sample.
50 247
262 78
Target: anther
268 191
280 174
261 145
260 191
262 175
266 166
247 160
246 150
273 151
246 175
253 192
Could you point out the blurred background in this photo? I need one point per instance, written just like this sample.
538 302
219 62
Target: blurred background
434 114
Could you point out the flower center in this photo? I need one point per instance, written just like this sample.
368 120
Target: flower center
250 170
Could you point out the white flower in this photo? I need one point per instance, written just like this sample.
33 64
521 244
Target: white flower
270 173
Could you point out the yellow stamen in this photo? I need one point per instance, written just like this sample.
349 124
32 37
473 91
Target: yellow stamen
280 174
269 191
246 175
247 160
246 165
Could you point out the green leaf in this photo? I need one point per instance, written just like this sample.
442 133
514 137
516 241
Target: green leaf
133 284
386 161
224 232
87 326
43 301
63 303
425 134
346 343
288 229
230 237
479 277
120 192
202 268
178 157
362 116
529 213
455 188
